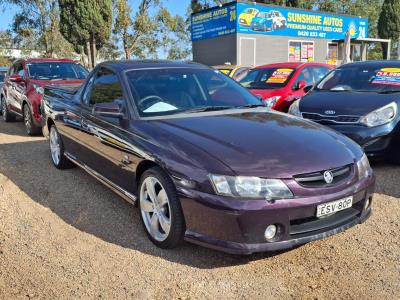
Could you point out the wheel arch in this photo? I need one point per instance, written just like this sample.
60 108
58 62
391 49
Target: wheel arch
143 166
50 122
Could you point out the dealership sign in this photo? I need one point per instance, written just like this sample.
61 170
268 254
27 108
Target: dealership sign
273 20
213 23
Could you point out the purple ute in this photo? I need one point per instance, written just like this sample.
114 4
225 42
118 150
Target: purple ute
205 161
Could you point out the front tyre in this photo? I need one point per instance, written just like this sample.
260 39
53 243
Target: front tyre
7 116
58 158
160 209
31 128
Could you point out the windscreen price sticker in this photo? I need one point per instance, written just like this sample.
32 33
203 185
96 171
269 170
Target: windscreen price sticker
389 76
280 76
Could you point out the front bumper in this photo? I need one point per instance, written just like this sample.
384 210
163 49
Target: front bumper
237 226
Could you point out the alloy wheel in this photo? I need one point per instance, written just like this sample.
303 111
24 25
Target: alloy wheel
4 109
155 209
55 146
27 119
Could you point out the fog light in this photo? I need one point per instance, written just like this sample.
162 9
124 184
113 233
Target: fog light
270 232
367 203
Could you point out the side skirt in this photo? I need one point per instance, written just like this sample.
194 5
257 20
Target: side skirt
116 188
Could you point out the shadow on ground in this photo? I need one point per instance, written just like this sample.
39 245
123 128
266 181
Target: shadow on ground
387 178
86 204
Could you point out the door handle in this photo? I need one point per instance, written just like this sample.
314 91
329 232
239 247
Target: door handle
84 125
126 160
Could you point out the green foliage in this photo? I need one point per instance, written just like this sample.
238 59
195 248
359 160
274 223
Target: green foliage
144 33
5 62
83 19
389 20
36 26
86 24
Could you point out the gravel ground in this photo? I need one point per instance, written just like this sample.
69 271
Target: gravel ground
64 235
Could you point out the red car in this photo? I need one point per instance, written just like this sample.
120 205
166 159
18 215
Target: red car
24 84
278 85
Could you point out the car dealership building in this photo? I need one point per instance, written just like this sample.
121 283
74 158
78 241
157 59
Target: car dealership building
250 34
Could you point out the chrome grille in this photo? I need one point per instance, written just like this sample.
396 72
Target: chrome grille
316 179
331 119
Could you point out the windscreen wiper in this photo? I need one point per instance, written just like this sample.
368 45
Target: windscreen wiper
251 106
207 108
389 92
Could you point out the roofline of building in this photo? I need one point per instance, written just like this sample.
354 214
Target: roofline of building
276 6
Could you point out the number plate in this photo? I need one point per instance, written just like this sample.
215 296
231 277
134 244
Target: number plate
333 207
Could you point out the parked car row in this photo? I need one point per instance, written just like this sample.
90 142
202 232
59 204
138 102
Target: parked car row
24 83
206 162
278 85
361 101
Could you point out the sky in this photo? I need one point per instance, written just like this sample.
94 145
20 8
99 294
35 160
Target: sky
174 6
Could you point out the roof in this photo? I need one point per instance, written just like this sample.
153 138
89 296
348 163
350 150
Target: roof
146 64
374 63
226 67
292 65
41 60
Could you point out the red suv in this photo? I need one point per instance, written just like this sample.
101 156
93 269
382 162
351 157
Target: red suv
24 84
278 85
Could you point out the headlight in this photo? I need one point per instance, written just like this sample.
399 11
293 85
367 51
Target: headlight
380 116
270 102
294 109
250 187
364 168
38 89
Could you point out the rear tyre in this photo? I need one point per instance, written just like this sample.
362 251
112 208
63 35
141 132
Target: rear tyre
60 161
31 128
160 209
7 116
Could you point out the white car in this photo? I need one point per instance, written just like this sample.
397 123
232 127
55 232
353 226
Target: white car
278 20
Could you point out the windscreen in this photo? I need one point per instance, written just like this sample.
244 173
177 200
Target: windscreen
362 79
169 91
269 78
57 71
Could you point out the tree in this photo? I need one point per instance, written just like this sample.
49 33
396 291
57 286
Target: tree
36 26
87 25
389 22
174 34
138 34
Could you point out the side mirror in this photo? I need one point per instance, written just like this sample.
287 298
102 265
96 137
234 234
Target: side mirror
308 88
301 85
16 78
109 110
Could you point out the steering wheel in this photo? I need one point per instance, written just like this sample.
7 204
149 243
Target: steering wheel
152 99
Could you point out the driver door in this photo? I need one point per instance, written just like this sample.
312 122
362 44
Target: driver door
106 138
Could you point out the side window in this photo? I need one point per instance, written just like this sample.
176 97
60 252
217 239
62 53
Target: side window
306 75
105 88
319 73
20 71
239 71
